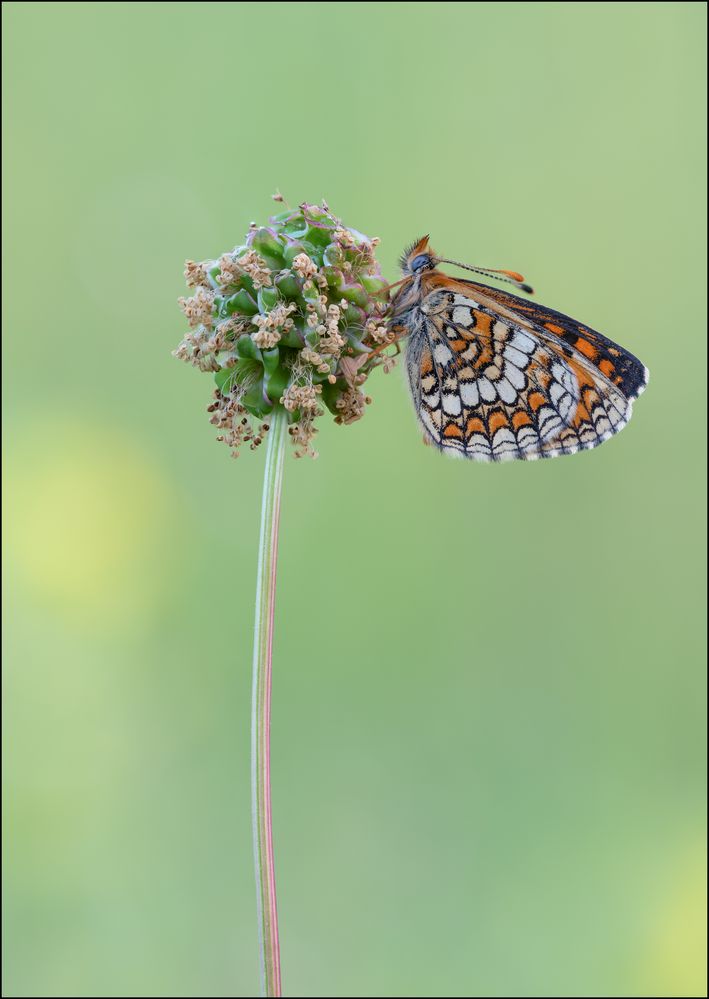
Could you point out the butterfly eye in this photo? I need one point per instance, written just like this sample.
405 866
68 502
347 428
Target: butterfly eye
421 262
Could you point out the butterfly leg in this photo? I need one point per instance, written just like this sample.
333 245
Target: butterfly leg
395 342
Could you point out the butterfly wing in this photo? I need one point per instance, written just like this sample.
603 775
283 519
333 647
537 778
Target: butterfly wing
621 367
491 387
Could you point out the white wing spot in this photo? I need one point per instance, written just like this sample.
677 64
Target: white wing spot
462 300
503 436
462 316
487 389
515 357
514 375
549 421
505 391
469 393
451 403
523 342
479 447
527 438
556 392
441 353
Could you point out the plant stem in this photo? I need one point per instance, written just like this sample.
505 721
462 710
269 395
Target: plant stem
269 955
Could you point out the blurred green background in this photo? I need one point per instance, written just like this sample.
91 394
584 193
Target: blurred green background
488 704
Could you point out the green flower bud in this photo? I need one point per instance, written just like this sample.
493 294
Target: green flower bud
267 299
293 249
275 379
288 284
246 348
241 302
355 293
265 243
296 321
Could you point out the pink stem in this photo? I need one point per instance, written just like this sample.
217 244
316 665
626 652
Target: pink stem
261 710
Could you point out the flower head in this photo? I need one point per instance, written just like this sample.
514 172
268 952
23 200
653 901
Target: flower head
293 318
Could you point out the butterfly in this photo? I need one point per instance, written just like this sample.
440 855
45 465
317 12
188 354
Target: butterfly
495 377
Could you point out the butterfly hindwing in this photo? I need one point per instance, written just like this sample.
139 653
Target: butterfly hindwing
489 388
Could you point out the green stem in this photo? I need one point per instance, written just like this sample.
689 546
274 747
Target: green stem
269 954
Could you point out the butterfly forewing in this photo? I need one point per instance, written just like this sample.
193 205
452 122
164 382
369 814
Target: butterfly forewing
621 367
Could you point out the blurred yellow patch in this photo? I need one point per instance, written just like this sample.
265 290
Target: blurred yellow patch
88 518
675 960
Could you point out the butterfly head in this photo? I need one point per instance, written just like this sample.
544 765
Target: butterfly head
419 260
418 257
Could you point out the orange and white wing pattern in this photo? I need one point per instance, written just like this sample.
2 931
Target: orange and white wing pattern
621 367
491 385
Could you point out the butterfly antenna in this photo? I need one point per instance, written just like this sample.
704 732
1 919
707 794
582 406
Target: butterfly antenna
509 277
396 284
